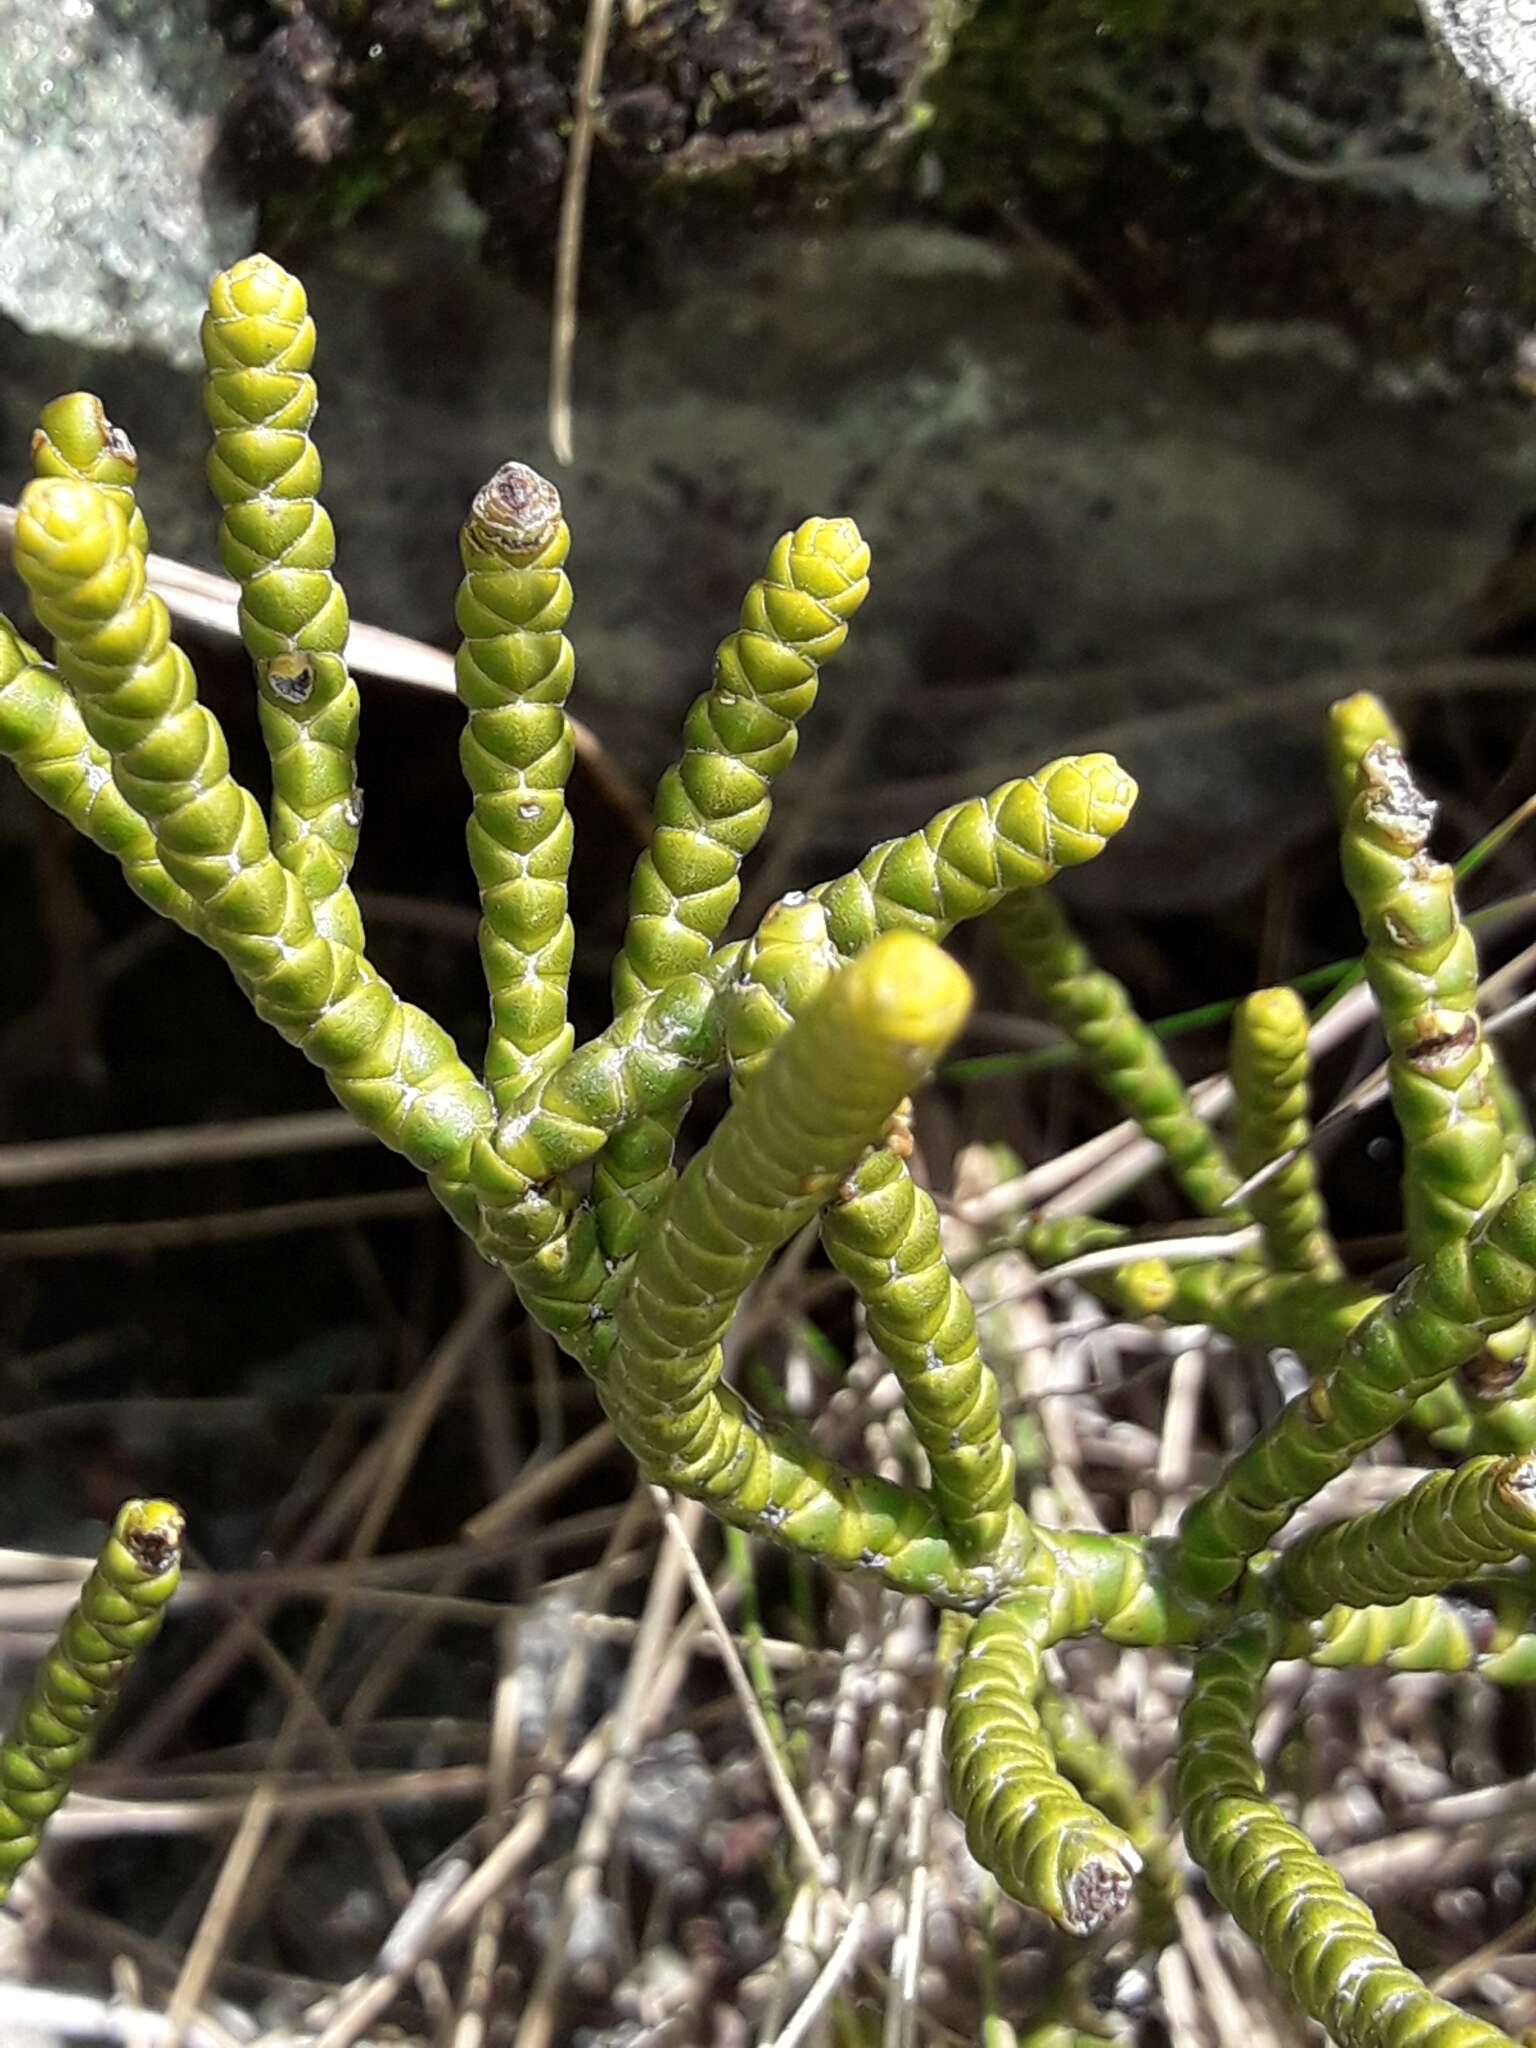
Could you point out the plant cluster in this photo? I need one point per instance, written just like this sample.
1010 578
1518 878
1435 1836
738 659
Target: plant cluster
559 1161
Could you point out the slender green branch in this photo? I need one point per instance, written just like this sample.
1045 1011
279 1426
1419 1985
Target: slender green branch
712 809
1270 1068
515 668
1103 1775
781 1152
1421 963
1123 1055
1441 1317
882 1232
117 1616
1355 725
1448 1527
41 729
1432 1632
1309 1313
277 541
713 805
388 1063
1312 1930
967 859
1048 1241
1304 1312
44 737
1025 1822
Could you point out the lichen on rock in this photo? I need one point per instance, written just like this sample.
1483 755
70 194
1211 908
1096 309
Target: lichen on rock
110 221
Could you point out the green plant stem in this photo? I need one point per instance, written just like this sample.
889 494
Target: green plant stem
1314 1933
969 857
882 1232
276 540
1447 1527
41 730
713 807
1432 1632
780 1153
1421 963
1104 1777
116 1618
1024 1820
1121 1053
43 736
514 670
1438 1319
1033 1830
1307 1312
1270 1070
389 1064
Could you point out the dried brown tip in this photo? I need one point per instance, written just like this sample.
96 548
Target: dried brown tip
1095 1895
897 1137
1517 1483
151 1533
1394 804
1489 1376
516 512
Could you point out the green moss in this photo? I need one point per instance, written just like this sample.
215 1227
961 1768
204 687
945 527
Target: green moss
1045 90
1110 130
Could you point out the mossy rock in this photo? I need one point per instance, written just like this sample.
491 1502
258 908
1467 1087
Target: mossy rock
1232 160
1045 89
346 100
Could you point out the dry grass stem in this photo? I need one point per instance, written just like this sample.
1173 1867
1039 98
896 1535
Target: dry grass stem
573 206
828 1981
99 1158
812 1855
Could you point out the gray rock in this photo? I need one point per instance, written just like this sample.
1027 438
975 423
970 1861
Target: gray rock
110 220
1082 537
670 1796
1492 46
